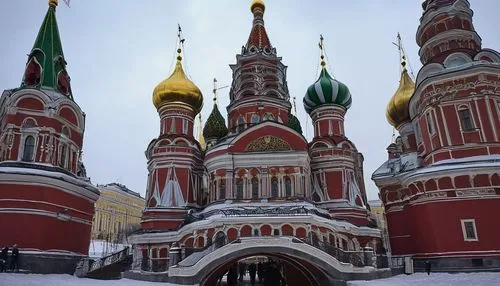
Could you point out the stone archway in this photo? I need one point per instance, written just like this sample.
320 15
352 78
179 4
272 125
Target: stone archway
310 265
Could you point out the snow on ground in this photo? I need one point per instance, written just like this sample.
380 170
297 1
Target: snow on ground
418 279
99 248
17 279
436 279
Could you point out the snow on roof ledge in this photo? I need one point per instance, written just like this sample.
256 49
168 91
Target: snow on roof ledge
473 159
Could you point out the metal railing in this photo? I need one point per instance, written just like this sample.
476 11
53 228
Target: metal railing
356 258
88 265
110 259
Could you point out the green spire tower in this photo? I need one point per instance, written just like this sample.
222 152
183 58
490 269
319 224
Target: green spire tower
46 66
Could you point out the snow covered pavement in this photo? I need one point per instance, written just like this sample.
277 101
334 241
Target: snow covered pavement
418 279
17 279
435 279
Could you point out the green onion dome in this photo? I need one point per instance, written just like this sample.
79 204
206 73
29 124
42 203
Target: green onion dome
215 127
326 90
294 123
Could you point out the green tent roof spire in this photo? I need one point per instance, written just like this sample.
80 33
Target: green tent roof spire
46 67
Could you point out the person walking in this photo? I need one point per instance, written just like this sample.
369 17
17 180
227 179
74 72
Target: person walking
428 267
260 271
252 270
232 275
3 259
242 269
14 256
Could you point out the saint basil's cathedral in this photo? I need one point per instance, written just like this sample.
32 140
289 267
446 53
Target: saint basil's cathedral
252 186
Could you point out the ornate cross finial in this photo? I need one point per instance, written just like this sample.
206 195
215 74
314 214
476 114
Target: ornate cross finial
294 106
215 90
180 42
321 47
402 54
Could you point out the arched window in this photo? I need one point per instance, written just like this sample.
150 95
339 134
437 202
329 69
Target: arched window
239 189
29 123
64 156
255 188
316 197
65 131
222 190
274 187
288 187
29 149
466 119
63 83
33 73
241 124
430 123
255 118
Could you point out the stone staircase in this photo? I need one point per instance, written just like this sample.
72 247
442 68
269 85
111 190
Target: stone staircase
105 268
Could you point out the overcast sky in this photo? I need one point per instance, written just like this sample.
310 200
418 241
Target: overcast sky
118 50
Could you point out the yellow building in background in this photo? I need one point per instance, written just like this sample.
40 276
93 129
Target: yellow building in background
117 212
378 213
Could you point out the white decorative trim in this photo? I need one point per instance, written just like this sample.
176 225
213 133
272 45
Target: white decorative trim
476 192
58 215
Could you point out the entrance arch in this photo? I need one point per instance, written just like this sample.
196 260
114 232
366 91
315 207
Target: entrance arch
314 266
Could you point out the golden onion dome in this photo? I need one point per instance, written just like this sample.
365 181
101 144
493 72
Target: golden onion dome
398 110
258 3
178 88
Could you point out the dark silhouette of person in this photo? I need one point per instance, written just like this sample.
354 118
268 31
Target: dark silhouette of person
260 271
428 267
3 259
252 269
242 268
14 263
272 277
232 275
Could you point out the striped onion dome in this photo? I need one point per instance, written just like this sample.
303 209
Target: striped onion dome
326 90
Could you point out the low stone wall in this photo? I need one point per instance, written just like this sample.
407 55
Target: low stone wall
458 264
46 263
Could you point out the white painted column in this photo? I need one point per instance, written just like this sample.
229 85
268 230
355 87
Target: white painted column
259 184
229 184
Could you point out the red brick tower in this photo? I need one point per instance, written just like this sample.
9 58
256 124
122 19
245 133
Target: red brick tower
175 157
46 201
442 199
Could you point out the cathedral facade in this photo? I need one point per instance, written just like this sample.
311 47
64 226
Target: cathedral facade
441 183
257 177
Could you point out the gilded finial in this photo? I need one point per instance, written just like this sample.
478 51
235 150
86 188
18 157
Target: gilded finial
53 3
321 47
257 4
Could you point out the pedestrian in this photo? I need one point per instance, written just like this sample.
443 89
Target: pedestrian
232 275
14 256
3 259
252 269
272 277
242 268
260 271
428 267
